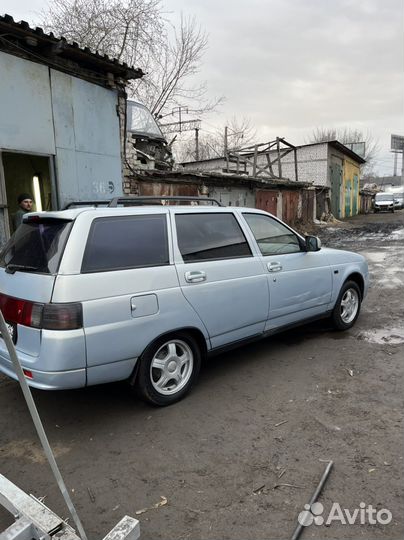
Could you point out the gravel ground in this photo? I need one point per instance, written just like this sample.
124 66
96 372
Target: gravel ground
239 457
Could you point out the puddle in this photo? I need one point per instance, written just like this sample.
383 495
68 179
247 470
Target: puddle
391 336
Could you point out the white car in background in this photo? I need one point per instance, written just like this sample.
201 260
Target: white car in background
385 202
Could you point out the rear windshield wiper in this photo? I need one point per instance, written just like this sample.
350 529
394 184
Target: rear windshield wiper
11 268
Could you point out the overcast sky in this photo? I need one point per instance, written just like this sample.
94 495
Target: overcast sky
293 65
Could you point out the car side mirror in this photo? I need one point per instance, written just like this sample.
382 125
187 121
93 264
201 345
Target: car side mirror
313 243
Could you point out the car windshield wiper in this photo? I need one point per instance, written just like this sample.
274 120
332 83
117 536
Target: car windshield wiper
11 268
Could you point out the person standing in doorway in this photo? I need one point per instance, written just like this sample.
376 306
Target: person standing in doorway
25 205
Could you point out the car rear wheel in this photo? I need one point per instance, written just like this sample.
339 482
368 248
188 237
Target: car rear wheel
168 369
347 307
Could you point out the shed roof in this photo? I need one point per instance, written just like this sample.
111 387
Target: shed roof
217 178
338 146
20 39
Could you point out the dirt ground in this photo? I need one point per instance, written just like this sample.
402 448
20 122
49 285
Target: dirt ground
239 457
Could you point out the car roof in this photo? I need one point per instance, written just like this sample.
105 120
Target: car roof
73 213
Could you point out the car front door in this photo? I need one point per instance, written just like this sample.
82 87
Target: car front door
219 275
300 281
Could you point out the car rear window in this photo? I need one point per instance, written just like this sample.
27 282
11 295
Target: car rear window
210 236
36 246
122 242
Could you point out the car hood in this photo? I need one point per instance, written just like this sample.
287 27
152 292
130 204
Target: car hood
340 256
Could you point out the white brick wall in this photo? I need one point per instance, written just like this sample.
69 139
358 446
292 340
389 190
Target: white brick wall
312 165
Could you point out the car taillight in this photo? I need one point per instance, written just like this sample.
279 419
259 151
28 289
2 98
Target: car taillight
48 316
62 316
20 311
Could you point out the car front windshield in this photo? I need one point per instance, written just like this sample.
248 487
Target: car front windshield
141 122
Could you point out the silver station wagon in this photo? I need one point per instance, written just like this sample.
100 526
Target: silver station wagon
142 291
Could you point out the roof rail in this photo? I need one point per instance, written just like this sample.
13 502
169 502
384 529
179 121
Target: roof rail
86 203
142 200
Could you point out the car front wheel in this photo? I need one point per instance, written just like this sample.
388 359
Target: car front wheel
168 368
347 307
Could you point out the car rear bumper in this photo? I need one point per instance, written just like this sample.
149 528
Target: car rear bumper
44 380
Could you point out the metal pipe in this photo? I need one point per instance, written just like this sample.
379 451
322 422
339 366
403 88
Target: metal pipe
38 425
314 498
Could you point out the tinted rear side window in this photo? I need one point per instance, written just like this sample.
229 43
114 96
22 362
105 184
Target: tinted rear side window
210 236
117 243
36 246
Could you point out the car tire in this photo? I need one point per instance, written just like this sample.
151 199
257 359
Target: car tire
168 369
347 306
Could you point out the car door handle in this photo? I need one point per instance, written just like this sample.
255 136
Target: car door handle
195 276
274 267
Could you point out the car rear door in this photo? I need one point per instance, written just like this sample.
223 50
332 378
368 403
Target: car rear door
219 274
300 282
124 281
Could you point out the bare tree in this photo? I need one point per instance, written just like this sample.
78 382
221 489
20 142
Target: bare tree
136 32
211 144
348 135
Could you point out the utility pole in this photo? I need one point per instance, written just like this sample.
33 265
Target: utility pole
402 165
197 144
179 111
225 140
397 146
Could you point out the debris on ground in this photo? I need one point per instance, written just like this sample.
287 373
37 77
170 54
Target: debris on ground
91 495
162 502
298 530
281 423
281 473
276 486
259 490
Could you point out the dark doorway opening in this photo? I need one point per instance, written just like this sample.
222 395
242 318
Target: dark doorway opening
26 173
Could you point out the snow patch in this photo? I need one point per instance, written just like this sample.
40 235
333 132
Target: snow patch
398 234
374 257
390 336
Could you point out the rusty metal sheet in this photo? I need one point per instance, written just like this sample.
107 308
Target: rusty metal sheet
290 206
321 197
308 196
267 200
